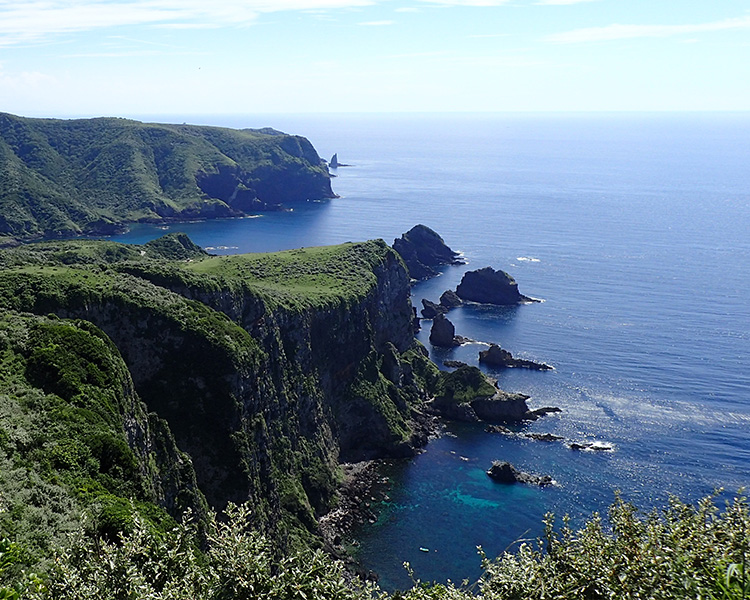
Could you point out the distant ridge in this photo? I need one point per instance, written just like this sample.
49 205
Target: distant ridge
67 177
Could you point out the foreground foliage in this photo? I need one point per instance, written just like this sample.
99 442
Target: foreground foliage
684 551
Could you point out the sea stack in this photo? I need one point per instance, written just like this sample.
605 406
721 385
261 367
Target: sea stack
443 333
422 250
488 286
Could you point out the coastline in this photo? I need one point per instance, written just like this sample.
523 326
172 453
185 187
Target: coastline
362 487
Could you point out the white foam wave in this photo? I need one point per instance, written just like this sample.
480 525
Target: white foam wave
528 259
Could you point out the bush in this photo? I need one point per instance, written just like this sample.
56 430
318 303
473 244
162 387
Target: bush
683 552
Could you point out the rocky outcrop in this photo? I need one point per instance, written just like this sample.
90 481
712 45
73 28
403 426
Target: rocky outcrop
495 356
443 333
431 310
422 250
544 437
488 286
504 472
467 394
454 364
449 299
596 446
503 406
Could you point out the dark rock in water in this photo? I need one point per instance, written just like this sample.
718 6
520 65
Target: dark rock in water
449 299
422 249
498 429
454 364
443 333
545 410
543 437
504 472
334 161
490 287
503 406
592 446
467 394
431 310
495 356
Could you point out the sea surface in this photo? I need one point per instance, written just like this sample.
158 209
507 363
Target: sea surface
634 230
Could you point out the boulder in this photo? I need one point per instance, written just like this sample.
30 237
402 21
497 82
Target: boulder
504 472
422 249
449 299
431 310
495 356
443 333
488 286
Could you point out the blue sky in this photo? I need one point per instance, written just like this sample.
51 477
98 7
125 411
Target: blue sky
134 57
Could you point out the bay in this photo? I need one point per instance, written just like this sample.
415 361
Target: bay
633 229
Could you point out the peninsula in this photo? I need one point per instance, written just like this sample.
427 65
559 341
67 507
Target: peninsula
60 178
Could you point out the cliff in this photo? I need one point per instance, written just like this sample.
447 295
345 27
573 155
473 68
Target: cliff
66 177
266 369
75 437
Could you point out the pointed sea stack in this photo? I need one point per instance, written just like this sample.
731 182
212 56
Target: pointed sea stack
422 250
443 333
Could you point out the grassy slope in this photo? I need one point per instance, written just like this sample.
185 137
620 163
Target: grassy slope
66 177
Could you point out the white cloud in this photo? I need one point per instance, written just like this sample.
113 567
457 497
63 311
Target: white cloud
376 23
562 2
624 32
467 2
28 20
25 81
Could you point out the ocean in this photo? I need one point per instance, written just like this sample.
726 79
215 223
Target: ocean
634 230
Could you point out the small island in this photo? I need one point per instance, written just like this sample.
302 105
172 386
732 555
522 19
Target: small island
488 286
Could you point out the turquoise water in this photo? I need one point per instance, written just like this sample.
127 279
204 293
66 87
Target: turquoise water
633 229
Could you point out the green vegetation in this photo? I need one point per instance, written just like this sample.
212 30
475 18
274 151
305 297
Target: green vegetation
684 552
66 411
260 372
465 384
302 278
66 177
253 362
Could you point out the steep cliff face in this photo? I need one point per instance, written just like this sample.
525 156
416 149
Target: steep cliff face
268 369
75 436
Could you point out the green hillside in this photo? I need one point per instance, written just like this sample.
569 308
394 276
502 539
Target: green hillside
67 177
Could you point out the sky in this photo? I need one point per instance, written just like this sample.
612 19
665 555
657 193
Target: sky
166 57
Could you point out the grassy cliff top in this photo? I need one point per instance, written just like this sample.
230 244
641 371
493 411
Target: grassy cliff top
302 277
291 279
